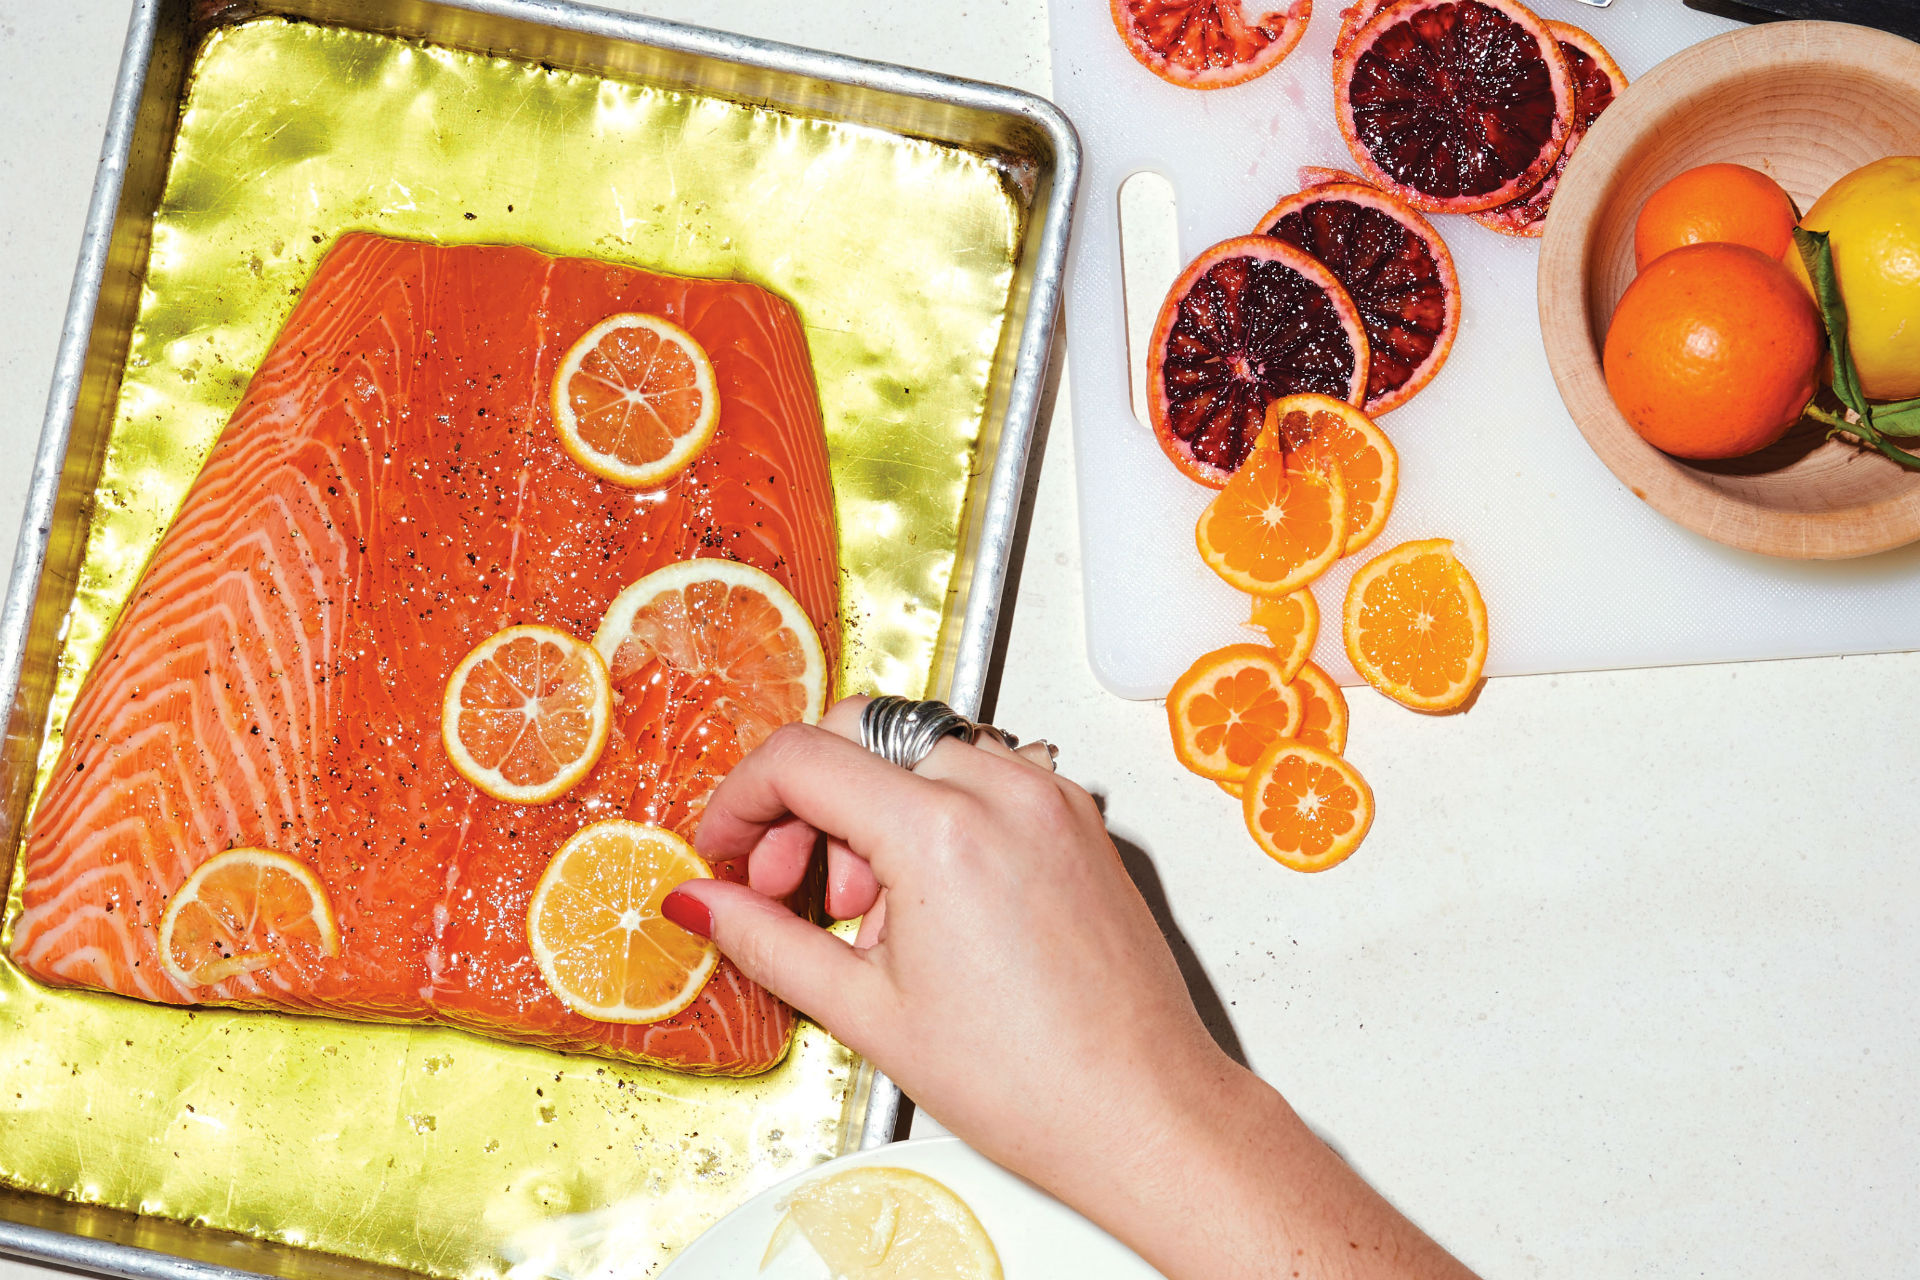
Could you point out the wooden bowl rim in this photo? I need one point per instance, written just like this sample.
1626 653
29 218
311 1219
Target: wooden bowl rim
1564 282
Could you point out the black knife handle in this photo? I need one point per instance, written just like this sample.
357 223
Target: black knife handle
1902 17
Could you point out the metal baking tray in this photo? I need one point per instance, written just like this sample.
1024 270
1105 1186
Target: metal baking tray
1029 133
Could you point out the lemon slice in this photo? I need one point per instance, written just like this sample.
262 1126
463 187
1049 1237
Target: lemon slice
596 931
882 1223
240 912
527 714
635 401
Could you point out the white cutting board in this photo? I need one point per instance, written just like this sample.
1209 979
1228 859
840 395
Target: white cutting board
1577 573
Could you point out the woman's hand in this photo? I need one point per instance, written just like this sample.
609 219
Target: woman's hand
1011 980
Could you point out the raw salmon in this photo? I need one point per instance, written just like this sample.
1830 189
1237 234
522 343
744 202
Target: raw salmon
390 492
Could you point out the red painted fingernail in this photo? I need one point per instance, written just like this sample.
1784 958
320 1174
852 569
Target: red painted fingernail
688 912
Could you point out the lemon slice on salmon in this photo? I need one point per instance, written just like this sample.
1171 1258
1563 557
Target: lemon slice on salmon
596 931
527 714
635 401
242 911
883 1223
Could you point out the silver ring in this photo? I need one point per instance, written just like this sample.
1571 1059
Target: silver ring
903 731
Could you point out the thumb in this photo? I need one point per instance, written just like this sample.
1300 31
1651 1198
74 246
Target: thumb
797 960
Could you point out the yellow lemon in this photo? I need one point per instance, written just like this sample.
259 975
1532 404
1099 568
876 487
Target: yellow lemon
878 1223
1872 219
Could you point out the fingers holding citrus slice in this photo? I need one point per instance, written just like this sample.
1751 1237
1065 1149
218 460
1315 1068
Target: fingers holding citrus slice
242 911
1280 521
1292 624
596 931
1306 807
1415 626
1323 710
527 714
1227 708
634 400
1369 465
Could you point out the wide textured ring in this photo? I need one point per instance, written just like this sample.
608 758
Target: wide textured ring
904 731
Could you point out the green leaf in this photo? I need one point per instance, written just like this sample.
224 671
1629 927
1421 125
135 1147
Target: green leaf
1818 255
1902 419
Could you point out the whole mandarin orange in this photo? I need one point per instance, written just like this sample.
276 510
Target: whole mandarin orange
1715 204
1713 351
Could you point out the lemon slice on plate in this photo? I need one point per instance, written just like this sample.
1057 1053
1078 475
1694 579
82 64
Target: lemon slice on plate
881 1223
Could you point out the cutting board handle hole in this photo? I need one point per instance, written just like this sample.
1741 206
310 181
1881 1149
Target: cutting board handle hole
1149 264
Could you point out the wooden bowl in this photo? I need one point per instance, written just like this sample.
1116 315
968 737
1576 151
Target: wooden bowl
1805 102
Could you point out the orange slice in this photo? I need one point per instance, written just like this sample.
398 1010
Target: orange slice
1369 465
526 714
727 630
1277 524
242 911
1323 715
1415 626
595 926
1227 708
634 400
1305 806
1292 624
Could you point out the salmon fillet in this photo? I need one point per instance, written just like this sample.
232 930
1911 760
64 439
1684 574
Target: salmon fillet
390 492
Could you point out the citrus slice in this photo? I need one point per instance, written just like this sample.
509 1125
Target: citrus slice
596 931
242 911
526 714
1394 266
1313 175
1369 466
1209 44
1323 713
1597 81
1250 320
1277 525
1306 807
1458 105
1227 709
1352 18
1415 626
1292 624
738 644
882 1223
634 400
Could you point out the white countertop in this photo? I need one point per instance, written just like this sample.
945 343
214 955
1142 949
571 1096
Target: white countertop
1623 983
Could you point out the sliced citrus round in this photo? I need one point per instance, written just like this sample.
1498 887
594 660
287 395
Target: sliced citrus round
881 1223
1277 525
1323 715
596 931
1415 626
1227 709
1292 624
526 714
1458 105
1394 266
242 911
1306 807
736 640
634 400
1597 81
1250 320
1369 466
1205 44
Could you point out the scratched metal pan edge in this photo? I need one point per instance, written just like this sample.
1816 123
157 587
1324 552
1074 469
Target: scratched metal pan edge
1029 133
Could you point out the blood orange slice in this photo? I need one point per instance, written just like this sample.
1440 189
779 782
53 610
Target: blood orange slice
1352 18
1597 81
1394 266
1249 321
1209 44
1313 175
1458 105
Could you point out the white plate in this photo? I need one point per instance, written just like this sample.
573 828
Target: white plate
1035 1235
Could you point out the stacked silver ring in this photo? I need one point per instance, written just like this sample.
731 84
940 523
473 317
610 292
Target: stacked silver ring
903 731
